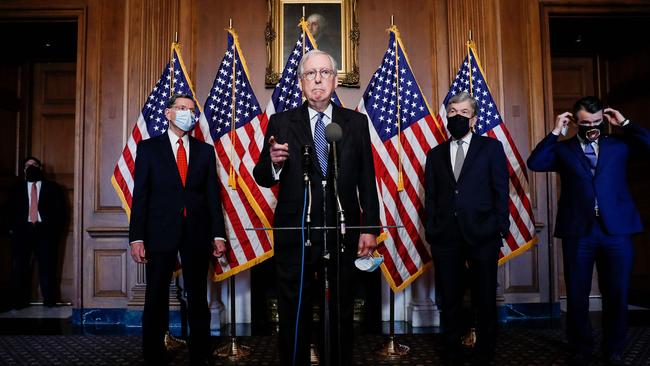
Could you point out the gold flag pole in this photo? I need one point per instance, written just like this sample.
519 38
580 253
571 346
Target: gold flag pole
232 181
469 63
391 349
400 178
232 349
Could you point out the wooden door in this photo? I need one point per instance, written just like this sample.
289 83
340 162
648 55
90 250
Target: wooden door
52 141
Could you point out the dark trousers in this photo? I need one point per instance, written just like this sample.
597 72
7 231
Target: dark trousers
450 263
288 275
155 318
34 240
612 255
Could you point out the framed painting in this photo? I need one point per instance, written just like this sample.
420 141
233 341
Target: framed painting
333 25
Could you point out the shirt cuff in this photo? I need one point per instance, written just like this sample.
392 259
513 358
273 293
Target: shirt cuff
136 241
219 238
276 172
625 123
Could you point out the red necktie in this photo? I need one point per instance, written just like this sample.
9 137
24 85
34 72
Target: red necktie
33 205
181 161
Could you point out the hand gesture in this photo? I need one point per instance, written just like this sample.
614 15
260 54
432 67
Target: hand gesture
279 152
613 116
561 121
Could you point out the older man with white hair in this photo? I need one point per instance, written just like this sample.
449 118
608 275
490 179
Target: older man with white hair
281 163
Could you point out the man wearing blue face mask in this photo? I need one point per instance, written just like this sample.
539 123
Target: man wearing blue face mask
596 217
176 210
466 205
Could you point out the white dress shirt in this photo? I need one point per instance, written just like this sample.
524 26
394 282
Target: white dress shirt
173 139
29 196
454 148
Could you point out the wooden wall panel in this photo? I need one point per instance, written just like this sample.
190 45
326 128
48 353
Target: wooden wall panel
110 272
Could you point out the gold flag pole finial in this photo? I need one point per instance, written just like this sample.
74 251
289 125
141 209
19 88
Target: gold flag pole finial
229 23
175 37
392 20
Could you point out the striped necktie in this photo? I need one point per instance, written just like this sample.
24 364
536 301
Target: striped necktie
320 143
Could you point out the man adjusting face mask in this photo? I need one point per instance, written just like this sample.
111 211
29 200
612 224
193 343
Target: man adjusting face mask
591 132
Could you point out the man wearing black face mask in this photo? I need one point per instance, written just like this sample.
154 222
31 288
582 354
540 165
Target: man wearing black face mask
466 204
36 223
596 217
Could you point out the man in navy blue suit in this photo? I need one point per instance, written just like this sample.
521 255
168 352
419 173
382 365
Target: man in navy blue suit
176 210
596 218
466 205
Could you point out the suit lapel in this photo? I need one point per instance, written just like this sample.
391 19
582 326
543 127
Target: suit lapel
447 160
575 146
301 128
475 146
194 156
339 118
167 155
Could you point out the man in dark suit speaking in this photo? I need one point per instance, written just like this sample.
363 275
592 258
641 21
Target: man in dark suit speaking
466 204
281 163
596 217
176 209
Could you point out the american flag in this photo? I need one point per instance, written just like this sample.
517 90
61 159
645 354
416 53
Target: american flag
151 122
400 144
234 123
287 94
490 123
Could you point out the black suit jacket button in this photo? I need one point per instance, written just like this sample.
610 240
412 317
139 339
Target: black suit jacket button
455 213
456 191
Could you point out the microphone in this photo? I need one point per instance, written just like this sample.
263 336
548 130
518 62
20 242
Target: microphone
333 134
306 162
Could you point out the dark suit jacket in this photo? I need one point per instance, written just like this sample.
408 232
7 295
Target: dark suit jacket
159 197
579 188
356 182
51 207
478 201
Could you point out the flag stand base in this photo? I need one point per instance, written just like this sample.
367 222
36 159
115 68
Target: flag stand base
233 350
392 349
172 343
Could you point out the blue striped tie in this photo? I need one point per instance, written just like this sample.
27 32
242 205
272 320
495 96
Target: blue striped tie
321 143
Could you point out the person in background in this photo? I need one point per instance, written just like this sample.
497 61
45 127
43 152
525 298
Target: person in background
595 219
38 217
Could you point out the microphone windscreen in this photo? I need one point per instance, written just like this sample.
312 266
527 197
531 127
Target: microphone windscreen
333 132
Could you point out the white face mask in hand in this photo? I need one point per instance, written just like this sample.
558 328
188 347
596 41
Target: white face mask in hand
185 120
369 263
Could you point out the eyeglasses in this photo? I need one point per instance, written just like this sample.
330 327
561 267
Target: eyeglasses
182 108
326 74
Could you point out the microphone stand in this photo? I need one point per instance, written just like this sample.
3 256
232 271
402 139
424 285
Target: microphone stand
340 240
326 286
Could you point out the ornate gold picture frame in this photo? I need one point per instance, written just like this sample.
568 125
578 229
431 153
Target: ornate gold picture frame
334 26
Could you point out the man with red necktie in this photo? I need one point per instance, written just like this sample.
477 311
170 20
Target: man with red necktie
176 209
36 224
